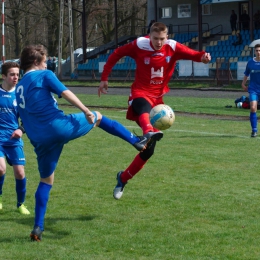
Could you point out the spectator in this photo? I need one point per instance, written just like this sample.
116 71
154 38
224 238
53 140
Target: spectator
49 64
257 19
238 41
54 63
233 21
149 26
245 19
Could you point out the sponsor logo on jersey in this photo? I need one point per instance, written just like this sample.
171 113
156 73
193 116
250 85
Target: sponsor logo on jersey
157 74
156 82
6 110
158 54
146 60
168 58
6 96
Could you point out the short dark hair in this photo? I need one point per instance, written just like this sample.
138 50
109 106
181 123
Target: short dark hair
158 27
30 54
257 45
8 65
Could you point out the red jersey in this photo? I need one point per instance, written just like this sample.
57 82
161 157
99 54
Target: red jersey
154 68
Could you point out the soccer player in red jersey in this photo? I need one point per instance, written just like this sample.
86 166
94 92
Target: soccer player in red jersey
155 57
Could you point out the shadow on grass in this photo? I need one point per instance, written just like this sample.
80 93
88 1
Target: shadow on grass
53 229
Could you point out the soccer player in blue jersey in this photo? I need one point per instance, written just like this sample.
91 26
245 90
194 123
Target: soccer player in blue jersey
11 144
253 70
48 128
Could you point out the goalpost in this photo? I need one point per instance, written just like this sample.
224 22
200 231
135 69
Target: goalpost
61 37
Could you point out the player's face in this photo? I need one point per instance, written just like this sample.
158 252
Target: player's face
257 53
158 39
43 65
12 77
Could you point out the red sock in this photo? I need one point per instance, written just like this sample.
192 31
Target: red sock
145 124
136 165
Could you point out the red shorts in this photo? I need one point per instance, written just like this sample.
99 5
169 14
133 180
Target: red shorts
131 115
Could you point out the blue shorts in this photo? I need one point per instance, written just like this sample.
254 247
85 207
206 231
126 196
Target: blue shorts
14 154
60 132
253 96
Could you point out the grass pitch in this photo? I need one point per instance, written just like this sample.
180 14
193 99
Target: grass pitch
197 198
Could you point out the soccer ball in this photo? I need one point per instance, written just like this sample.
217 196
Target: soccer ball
162 117
239 104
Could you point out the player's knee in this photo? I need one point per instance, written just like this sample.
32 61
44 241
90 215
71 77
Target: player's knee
2 169
19 175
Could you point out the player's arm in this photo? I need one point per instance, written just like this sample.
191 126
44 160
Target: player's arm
244 87
103 86
183 52
72 99
126 50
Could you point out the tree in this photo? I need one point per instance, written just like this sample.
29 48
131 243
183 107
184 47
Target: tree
37 22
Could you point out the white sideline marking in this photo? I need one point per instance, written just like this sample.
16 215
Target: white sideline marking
201 133
195 132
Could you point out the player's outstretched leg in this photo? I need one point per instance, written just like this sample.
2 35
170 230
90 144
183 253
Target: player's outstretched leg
115 128
148 138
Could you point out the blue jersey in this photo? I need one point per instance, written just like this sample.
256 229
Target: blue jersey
253 70
8 118
37 106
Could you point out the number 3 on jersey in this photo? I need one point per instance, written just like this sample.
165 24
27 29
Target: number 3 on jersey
22 101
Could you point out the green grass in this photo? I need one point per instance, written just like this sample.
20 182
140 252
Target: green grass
197 198
184 83
213 106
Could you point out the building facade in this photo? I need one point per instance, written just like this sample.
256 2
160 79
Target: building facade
182 16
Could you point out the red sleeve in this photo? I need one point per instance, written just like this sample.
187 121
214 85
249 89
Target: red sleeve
183 52
114 57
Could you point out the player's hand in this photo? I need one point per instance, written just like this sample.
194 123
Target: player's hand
245 88
17 134
206 58
90 117
102 88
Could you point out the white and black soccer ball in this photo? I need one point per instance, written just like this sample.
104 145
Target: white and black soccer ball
162 117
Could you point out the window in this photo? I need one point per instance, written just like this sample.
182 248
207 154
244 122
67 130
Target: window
184 10
206 10
166 12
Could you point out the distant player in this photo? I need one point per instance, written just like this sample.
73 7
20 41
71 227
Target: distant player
11 144
253 70
49 129
155 58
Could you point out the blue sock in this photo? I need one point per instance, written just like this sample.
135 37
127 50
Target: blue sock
41 201
115 128
253 121
20 191
2 179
